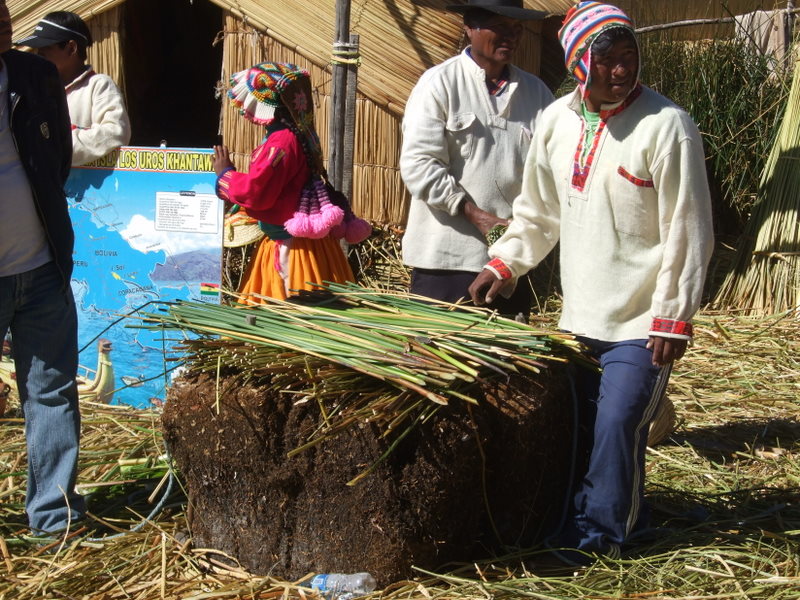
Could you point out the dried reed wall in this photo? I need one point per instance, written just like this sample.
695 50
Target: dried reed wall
103 18
105 54
390 59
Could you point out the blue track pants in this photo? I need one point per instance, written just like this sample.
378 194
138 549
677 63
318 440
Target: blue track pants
615 408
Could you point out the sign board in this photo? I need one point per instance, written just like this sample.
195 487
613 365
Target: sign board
148 226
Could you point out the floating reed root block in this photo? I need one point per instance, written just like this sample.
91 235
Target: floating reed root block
467 482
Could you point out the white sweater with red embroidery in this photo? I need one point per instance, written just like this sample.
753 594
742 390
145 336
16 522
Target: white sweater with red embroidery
633 222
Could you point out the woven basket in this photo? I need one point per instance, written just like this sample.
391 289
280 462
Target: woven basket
663 423
240 230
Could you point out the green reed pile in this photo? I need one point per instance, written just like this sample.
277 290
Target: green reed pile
363 355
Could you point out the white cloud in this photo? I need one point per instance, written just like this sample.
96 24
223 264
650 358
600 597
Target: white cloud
204 188
142 236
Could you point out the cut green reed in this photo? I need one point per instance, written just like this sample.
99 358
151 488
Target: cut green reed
362 355
381 334
765 278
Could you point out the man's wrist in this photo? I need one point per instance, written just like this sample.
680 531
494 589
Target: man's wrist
670 328
499 268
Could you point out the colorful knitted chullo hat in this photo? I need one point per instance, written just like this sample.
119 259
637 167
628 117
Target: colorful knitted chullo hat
582 24
257 91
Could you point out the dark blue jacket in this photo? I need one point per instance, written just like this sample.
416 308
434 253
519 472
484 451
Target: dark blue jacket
41 128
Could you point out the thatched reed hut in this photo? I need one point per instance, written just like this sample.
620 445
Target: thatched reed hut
170 57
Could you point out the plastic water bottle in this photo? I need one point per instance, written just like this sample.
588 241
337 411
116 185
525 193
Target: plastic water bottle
343 586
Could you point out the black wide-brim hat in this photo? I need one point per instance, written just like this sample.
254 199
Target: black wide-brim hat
507 8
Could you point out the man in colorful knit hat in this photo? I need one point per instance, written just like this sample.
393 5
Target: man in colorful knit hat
466 130
616 175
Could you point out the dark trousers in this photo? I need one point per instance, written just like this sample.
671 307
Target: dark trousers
452 286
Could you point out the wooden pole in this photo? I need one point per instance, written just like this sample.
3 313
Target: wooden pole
349 120
338 95
788 33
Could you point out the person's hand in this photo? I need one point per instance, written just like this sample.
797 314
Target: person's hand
486 287
665 350
481 219
222 159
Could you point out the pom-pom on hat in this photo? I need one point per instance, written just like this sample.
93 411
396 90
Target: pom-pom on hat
257 91
582 24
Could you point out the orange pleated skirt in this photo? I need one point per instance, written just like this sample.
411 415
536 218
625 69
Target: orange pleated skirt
310 262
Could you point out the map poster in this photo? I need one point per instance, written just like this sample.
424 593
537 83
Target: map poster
148 227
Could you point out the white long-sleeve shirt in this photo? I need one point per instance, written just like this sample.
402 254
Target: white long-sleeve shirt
457 141
99 120
634 225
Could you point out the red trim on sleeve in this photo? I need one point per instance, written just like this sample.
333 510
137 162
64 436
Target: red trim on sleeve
670 326
501 268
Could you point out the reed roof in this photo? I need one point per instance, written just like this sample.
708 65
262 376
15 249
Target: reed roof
398 38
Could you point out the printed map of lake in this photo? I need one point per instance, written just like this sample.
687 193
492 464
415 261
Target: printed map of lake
142 235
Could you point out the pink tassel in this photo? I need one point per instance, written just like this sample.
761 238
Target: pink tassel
357 230
324 215
299 225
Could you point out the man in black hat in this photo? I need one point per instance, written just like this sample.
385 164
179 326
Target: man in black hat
36 301
466 131
100 121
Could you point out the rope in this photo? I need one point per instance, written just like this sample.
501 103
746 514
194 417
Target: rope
156 509
345 54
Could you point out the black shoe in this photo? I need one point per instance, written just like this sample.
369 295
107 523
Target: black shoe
580 558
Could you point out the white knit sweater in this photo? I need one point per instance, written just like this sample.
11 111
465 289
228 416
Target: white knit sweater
99 119
455 143
635 241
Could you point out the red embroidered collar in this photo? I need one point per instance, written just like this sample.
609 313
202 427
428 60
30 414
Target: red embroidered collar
581 173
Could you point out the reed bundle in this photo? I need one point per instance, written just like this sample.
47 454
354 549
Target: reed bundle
363 355
403 340
766 275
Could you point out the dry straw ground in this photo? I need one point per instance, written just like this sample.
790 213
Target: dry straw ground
724 491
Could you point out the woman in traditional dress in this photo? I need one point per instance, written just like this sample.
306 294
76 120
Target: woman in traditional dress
285 188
